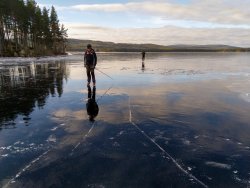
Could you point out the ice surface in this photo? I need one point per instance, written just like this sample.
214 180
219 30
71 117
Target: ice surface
182 119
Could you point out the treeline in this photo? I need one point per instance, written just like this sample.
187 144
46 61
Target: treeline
100 46
79 45
28 30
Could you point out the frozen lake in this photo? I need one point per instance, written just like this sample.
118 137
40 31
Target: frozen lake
181 120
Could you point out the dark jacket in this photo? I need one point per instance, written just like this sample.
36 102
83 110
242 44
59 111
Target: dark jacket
90 58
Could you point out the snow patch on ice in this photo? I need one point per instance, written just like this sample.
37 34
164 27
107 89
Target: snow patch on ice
186 142
245 96
218 165
116 144
54 128
120 133
96 186
51 138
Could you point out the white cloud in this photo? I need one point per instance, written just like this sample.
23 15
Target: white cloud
165 36
194 22
226 11
102 7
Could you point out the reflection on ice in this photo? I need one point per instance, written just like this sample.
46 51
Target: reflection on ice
91 105
24 87
176 119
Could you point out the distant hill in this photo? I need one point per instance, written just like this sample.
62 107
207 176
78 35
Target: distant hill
80 45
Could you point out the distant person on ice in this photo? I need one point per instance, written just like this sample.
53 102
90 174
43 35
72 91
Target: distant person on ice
143 55
90 61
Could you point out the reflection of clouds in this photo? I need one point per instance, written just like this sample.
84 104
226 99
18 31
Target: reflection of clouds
245 96
61 113
242 87
194 97
74 122
66 113
198 104
77 72
167 112
115 117
114 109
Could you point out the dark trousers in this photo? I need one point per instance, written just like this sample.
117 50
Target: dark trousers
90 73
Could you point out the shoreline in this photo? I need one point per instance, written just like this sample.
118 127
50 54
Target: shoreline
72 53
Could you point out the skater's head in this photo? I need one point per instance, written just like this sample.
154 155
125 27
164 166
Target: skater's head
89 46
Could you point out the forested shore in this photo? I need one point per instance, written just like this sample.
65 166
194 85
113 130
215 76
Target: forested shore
26 30
101 46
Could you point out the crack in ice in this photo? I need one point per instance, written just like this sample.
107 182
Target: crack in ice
25 169
84 137
164 151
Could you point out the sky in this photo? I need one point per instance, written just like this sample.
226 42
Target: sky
164 22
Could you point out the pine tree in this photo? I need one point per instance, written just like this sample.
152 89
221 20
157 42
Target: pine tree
46 29
54 25
25 29
1 28
31 5
63 38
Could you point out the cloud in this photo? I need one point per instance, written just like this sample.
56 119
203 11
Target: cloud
80 26
161 22
102 7
214 11
165 35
